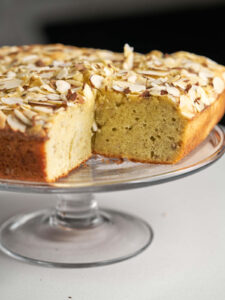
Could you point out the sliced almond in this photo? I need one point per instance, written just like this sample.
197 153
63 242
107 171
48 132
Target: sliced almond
62 86
53 97
94 127
88 92
155 91
96 81
122 85
11 74
10 84
218 85
187 114
44 109
2 119
12 100
107 71
153 72
173 91
63 73
15 124
47 88
29 114
30 58
132 78
22 117
128 57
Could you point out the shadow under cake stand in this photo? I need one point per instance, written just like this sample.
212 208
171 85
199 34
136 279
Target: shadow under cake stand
76 233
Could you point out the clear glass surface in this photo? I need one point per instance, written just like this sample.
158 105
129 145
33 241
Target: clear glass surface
77 233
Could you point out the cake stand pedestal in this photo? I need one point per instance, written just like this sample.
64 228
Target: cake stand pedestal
76 233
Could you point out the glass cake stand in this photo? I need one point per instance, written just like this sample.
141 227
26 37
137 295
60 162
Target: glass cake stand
77 233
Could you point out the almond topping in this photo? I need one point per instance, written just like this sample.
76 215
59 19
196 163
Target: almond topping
62 86
120 86
173 91
153 73
96 81
21 117
128 57
88 92
15 124
12 100
218 85
10 84
44 109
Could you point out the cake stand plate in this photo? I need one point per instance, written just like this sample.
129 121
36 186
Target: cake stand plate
76 233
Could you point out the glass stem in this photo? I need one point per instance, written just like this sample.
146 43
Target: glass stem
77 211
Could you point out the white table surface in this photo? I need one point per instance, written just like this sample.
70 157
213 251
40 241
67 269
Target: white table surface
185 261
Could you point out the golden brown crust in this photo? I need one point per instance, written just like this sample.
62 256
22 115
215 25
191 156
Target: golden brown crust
201 125
22 159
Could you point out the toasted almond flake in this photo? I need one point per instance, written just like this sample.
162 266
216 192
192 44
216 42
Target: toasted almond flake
2 119
44 109
118 88
170 62
173 91
153 72
34 89
192 92
53 97
62 86
63 73
122 85
205 74
223 75
107 71
128 57
10 83
12 100
96 81
132 78
15 124
155 91
29 58
187 114
11 74
46 75
29 114
181 84
218 85
42 103
88 92
94 127
22 117
47 88
203 97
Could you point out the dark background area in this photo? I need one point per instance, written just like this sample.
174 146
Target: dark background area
199 30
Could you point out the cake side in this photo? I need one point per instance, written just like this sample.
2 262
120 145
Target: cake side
200 126
22 158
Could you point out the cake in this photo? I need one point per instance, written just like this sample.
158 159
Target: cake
59 104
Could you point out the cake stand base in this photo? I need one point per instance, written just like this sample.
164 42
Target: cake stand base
74 235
